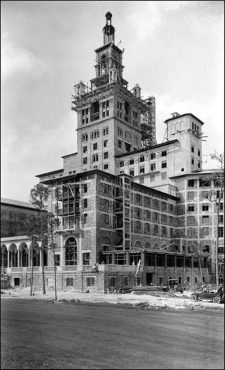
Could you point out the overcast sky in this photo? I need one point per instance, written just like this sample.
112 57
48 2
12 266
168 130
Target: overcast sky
173 50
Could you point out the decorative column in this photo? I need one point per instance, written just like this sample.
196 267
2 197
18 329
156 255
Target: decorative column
18 258
8 258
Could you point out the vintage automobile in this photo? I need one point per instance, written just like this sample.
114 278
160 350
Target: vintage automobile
215 297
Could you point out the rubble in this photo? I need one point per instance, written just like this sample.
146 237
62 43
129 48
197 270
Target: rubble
141 301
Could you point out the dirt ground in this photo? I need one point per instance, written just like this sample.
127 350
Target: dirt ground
152 300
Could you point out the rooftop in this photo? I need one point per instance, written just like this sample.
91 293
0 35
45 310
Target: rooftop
17 203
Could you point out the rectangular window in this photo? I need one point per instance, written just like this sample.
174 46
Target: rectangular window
221 206
105 143
85 203
191 208
153 167
106 155
95 158
119 144
192 149
85 160
69 281
86 259
220 232
122 164
142 170
220 218
205 207
191 195
90 281
192 161
164 175
163 165
152 156
95 146
106 166
131 172
131 161
164 153
105 131
199 164
205 219
199 153
152 178
191 183
85 188
84 149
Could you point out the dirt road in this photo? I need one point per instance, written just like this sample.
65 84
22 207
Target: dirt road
40 335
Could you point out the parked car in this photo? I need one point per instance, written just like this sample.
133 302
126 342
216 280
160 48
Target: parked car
216 297
173 286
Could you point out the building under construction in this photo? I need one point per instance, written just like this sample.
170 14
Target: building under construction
122 199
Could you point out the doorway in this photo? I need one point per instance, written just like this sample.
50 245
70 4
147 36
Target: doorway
149 278
16 281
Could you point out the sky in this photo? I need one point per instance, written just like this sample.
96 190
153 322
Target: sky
173 49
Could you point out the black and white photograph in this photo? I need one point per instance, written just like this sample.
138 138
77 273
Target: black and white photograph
112 184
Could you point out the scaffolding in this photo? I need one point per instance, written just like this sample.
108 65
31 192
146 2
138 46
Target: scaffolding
148 123
69 206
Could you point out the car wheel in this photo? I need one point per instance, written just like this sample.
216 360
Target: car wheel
216 300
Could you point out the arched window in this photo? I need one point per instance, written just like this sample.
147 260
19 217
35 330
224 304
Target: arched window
138 245
13 255
35 255
24 255
147 245
71 252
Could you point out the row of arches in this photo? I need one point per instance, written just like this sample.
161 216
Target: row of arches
21 256
26 255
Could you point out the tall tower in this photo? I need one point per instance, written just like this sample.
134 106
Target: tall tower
109 115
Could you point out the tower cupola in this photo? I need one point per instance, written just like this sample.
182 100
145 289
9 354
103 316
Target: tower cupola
108 30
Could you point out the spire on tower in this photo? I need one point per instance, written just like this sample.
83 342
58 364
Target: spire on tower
108 30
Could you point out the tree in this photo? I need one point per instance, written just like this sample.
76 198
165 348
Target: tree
33 230
53 222
38 197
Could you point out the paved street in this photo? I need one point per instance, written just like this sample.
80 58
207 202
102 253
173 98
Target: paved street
40 335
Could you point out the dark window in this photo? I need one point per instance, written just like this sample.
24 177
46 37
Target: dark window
131 161
164 153
191 183
106 166
71 252
86 259
220 219
85 203
205 207
220 232
69 281
95 146
164 165
192 149
121 163
152 155
106 155
90 281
